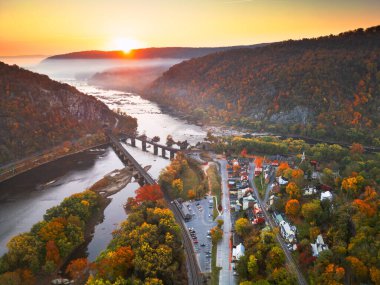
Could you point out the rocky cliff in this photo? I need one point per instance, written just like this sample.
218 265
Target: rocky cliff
37 113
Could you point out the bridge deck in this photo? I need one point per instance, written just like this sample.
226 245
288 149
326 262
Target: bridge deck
116 143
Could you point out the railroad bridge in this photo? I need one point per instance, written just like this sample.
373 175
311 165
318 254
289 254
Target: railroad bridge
142 176
148 141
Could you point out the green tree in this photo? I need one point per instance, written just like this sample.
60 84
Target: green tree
242 226
311 211
275 258
252 266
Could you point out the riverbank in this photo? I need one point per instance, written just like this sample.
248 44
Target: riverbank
86 208
12 170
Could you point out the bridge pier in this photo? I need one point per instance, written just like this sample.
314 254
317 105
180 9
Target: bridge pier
143 143
172 153
155 148
163 152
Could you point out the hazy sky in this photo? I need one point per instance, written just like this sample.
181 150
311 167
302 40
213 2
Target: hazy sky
59 26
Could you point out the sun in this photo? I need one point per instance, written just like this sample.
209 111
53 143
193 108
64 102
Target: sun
124 44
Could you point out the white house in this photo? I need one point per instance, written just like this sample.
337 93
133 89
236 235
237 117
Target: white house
326 195
282 180
247 200
310 190
318 246
288 232
238 252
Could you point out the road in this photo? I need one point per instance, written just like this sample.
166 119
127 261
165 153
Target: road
223 258
269 187
301 279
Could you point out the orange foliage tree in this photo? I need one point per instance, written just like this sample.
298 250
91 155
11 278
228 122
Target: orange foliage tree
149 193
52 252
77 268
116 263
282 167
292 207
293 190
358 269
356 148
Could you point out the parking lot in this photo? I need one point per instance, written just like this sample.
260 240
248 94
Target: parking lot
199 225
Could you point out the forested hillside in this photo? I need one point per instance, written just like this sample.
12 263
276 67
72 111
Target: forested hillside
327 88
38 113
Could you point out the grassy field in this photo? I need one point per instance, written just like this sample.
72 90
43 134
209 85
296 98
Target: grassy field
214 178
214 269
260 184
190 179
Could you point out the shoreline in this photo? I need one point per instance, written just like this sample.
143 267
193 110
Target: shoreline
9 173
117 180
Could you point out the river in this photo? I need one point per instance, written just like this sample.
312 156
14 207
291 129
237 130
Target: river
25 198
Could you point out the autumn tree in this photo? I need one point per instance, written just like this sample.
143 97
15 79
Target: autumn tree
77 269
280 276
216 234
252 266
275 258
375 275
292 207
311 211
333 274
191 194
358 269
149 193
52 252
356 148
282 167
18 277
293 191
177 185
242 226
352 185
115 263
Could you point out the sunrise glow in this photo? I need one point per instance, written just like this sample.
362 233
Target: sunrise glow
124 44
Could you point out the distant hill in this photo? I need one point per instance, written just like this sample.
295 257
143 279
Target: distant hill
327 87
38 113
147 53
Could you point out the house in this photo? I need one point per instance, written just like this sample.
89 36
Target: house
282 180
248 202
318 246
258 170
275 163
272 198
288 232
238 252
310 190
278 218
326 195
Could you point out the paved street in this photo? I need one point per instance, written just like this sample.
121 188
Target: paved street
268 218
226 276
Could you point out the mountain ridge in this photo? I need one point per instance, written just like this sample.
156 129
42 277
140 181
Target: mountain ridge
146 53
325 87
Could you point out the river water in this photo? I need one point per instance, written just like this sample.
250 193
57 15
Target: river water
25 198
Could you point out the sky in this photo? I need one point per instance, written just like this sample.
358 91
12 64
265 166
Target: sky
47 27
